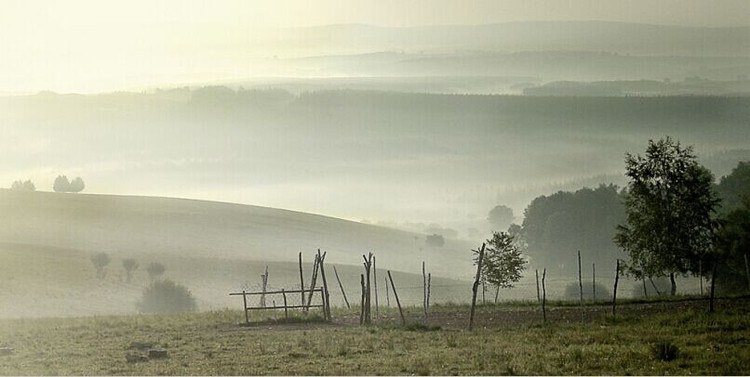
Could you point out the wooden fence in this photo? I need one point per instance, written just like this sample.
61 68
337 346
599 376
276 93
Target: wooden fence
325 305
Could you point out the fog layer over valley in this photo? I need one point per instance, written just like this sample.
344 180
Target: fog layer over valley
375 156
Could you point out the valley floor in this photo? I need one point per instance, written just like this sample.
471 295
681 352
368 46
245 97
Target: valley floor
509 339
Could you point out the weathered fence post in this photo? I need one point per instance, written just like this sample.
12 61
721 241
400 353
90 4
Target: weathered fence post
538 295
475 287
497 293
429 285
301 281
362 300
658 292
580 282
614 291
264 284
375 281
342 288
544 295
593 281
313 280
424 290
286 312
368 266
244 307
395 294
387 296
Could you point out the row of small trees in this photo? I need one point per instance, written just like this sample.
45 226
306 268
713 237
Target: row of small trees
62 184
130 265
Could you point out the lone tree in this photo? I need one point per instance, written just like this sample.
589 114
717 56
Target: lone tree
100 261
669 207
500 217
130 265
61 184
155 270
503 263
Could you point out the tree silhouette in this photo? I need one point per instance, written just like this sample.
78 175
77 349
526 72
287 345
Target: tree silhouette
100 261
155 270
76 185
130 265
61 184
669 207
500 217
26 185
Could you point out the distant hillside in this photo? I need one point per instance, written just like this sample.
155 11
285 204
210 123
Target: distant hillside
123 225
628 38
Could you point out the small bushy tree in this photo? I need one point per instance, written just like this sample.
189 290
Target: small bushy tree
130 265
100 261
155 270
166 296
503 261
76 185
61 184
500 217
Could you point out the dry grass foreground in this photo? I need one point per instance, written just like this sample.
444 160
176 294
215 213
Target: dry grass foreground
677 338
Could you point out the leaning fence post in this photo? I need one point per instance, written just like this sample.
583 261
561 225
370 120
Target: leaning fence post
326 307
424 290
301 281
614 291
538 295
747 271
395 294
312 283
342 287
475 288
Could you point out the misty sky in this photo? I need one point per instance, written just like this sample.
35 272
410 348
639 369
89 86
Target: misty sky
93 46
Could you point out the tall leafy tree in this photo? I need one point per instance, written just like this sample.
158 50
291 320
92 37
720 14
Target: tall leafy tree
669 207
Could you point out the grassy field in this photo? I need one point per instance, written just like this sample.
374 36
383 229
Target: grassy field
215 343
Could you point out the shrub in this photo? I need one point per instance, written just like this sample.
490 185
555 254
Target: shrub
166 296
665 351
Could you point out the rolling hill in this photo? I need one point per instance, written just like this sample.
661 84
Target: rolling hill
46 240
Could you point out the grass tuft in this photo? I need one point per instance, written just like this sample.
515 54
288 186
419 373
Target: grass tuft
665 351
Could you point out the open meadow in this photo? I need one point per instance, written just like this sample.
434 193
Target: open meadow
508 339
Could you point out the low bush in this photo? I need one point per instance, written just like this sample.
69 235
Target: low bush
166 296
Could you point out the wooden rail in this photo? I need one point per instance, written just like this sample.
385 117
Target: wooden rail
324 305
